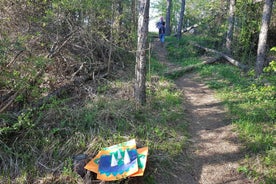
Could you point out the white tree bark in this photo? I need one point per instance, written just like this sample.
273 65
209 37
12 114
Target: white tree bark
231 22
180 23
261 52
140 67
168 17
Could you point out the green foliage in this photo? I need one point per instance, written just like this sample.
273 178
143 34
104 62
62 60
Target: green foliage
161 5
272 65
179 51
251 103
253 106
44 43
273 49
52 134
212 20
210 17
10 126
155 68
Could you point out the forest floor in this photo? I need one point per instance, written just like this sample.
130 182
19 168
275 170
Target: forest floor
214 152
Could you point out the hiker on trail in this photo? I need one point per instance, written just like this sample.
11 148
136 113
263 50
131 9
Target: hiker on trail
161 26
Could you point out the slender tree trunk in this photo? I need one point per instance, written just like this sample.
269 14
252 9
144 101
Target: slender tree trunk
180 23
134 14
231 22
168 17
261 52
111 40
140 67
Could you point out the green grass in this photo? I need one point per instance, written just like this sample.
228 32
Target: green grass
251 104
41 141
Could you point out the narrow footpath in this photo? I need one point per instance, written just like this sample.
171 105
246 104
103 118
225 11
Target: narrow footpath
214 152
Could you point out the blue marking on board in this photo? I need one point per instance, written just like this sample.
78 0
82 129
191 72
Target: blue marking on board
120 168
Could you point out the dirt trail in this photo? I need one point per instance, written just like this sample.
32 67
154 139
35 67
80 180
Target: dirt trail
214 151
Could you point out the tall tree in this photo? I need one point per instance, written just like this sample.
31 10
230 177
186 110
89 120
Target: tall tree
229 36
181 17
134 14
168 17
140 67
261 52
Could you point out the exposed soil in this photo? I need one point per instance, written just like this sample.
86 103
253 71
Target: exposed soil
214 151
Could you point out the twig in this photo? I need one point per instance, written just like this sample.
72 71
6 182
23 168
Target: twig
16 56
80 68
11 99
51 169
54 49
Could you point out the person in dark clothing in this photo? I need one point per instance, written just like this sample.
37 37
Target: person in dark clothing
162 33
161 26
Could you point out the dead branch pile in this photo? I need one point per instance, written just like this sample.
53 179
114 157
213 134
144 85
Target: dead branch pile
39 57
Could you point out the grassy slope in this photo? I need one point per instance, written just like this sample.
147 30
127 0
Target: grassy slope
251 103
43 141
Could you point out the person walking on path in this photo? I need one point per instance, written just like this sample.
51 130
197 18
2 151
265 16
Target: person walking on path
161 27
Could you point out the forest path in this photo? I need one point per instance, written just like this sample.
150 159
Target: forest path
214 152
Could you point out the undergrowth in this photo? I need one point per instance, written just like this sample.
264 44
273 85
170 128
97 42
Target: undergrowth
38 145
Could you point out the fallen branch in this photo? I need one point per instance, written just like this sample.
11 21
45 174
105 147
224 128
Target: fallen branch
180 71
10 101
228 58
56 47
15 57
80 68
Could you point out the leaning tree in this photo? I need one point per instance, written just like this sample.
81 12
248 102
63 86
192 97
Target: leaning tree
267 11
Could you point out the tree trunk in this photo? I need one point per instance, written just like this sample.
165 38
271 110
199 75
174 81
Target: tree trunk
134 14
168 17
231 22
181 17
111 40
116 19
261 52
140 67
